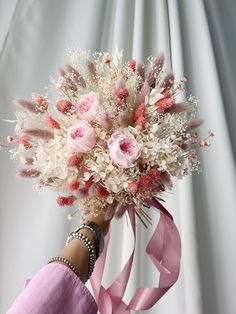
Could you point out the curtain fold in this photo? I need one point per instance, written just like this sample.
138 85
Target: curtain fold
33 38
222 26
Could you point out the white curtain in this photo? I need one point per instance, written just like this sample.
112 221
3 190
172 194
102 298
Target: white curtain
195 37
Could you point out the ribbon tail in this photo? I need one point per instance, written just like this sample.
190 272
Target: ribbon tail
164 250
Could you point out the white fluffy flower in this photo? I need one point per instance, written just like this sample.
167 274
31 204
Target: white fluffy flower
51 157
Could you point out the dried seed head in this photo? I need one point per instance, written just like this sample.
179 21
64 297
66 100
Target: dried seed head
30 106
26 160
74 185
43 134
28 173
10 139
65 200
64 106
74 161
52 123
42 103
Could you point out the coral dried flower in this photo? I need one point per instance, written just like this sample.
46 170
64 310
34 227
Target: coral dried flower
65 200
102 193
64 106
74 185
165 103
52 123
74 161
144 181
140 116
122 93
154 173
42 103
89 183
24 143
133 187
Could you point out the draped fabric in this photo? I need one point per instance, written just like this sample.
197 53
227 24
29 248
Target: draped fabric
197 40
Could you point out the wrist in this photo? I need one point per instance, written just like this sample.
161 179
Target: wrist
99 221
96 232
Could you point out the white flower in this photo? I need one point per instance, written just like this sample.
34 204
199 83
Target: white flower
155 95
51 157
117 57
154 128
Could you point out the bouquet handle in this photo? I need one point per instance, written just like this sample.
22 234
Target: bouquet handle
164 250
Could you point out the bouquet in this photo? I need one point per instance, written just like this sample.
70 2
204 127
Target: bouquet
111 135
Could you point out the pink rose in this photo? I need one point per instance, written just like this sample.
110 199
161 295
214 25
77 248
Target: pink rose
81 137
124 149
88 106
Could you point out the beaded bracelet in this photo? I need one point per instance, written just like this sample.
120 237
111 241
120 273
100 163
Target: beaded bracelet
88 244
97 235
65 261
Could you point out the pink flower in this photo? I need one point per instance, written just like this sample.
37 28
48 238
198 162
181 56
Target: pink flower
88 106
81 137
124 149
132 64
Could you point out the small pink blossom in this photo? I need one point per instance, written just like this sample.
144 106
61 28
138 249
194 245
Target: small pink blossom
122 93
88 106
81 137
132 64
133 187
124 149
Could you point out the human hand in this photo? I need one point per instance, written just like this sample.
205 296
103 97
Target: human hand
104 217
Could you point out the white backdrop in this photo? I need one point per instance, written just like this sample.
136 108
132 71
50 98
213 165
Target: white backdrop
33 38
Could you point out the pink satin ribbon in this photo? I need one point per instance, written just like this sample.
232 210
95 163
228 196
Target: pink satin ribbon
164 250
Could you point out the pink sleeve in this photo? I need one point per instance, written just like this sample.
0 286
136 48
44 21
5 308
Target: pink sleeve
55 289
